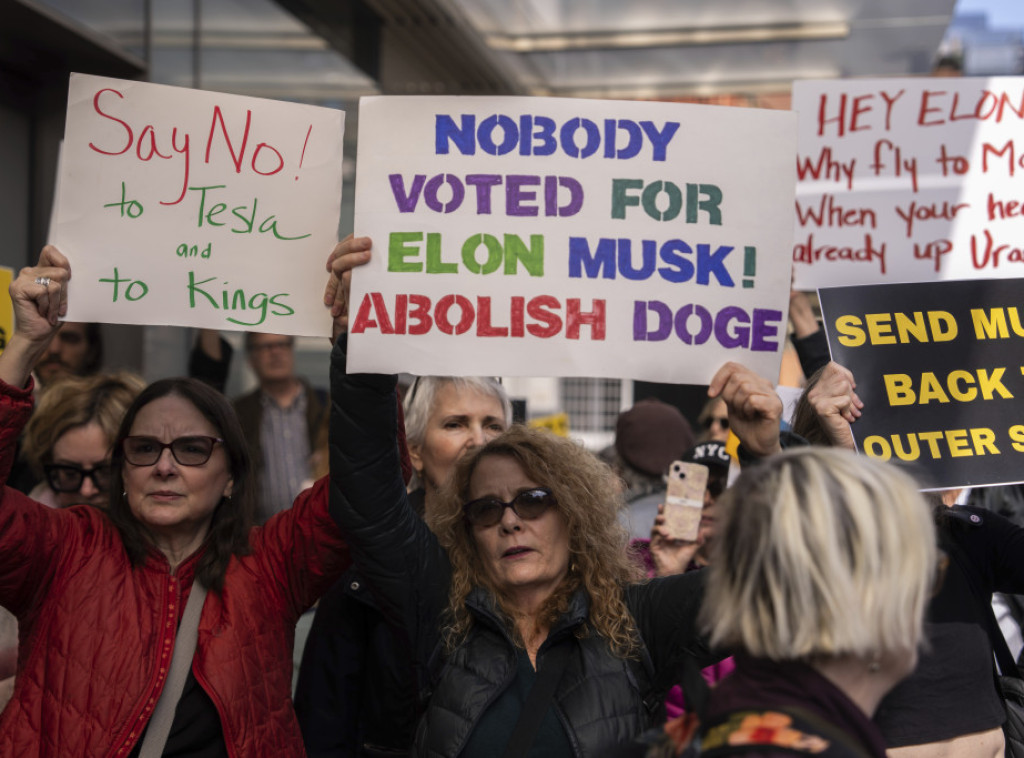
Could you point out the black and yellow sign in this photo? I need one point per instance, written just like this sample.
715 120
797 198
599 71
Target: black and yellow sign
940 368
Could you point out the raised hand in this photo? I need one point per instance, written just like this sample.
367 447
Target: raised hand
347 254
754 409
39 295
836 403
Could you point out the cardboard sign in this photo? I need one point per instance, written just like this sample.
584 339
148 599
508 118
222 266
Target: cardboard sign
196 208
564 237
908 180
940 368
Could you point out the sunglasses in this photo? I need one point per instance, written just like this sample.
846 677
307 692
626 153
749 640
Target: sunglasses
527 505
722 421
66 477
188 451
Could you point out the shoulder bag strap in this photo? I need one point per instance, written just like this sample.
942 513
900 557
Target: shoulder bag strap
181 661
537 702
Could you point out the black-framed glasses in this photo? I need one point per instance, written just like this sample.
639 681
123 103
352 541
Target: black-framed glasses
722 421
68 477
527 505
188 451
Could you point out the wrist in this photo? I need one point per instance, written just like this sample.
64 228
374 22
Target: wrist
19 358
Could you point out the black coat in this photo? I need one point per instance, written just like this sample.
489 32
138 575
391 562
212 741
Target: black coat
601 699
355 695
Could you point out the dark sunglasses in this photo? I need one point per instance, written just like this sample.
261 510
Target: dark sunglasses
527 505
188 451
66 477
710 420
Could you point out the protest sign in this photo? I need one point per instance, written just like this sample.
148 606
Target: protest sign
564 237
194 208
940 368
904 180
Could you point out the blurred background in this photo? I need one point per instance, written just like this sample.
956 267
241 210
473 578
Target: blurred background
331 52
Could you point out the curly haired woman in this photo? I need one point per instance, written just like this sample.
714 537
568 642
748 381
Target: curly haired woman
525 574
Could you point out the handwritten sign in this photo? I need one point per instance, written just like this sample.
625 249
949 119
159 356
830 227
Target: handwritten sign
909 180
557 237
940 368
196 208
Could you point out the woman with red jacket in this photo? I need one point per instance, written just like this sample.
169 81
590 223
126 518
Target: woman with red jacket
100 595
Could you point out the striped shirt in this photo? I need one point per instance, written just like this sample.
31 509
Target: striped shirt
284 440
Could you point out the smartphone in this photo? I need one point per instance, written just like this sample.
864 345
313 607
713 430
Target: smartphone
684 499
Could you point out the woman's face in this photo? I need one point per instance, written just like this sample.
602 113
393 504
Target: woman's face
458 422
527 558
87 448
169 498
716 424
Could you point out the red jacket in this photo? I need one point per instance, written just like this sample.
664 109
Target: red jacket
97 635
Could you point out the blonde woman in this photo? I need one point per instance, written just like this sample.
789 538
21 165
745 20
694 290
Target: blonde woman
819 579
69 438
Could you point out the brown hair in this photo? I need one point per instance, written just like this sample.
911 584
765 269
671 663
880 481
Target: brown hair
585 490
76 401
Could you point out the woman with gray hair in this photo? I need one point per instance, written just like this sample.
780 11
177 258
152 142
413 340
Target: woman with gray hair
445 418
819 579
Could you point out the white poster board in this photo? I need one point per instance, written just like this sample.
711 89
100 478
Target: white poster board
565 237
193 208
909 180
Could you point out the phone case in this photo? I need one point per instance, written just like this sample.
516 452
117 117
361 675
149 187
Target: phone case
684 499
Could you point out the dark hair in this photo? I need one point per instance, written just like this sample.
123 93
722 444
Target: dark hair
94 355
233 517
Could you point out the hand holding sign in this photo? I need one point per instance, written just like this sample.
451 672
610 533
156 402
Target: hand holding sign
40 296
347 254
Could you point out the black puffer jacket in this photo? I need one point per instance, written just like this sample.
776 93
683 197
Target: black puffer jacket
601 700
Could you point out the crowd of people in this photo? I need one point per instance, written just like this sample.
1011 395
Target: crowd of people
485 588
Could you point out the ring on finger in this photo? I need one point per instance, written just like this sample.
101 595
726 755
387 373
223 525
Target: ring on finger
43 280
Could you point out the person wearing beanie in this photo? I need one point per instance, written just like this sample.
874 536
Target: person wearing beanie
648 437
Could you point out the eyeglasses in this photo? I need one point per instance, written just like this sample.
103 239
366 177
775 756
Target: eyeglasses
527 505
722 421
66 477
188 451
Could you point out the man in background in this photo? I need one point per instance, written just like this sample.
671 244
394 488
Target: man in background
281 419
76 350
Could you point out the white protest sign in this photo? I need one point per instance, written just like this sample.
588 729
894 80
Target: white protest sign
907 180
565 237
194 208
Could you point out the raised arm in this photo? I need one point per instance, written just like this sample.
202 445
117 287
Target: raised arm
31 535
39 296
392 548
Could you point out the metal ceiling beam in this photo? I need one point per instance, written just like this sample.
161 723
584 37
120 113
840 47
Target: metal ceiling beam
39 43
691 37
409 46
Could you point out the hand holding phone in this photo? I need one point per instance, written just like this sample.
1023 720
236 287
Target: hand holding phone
684 499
